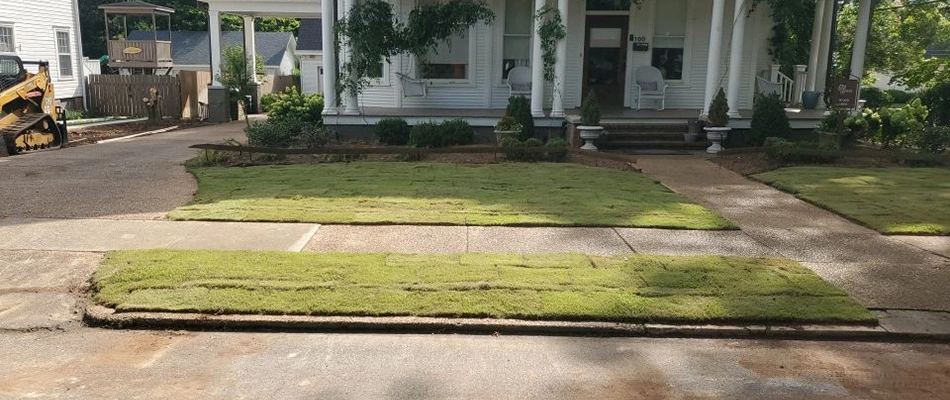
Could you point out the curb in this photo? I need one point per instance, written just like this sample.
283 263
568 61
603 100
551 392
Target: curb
104 317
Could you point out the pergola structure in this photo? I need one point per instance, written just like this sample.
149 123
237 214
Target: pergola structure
138 54
248 10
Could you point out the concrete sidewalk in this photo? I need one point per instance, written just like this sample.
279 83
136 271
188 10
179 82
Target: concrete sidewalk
879 271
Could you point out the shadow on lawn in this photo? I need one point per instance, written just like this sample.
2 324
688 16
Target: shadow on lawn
404 193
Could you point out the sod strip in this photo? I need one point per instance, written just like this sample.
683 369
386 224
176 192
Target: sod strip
442 194
633 288
890 200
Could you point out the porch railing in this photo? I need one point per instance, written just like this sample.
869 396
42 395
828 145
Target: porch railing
140 52
791 87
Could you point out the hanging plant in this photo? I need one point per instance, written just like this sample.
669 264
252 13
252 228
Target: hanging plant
551 30
374 34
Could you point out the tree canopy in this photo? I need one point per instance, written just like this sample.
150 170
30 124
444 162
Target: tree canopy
190 15
901 32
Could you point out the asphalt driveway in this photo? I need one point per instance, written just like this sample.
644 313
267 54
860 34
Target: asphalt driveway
139 178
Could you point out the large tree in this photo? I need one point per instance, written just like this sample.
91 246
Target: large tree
901 32
190 15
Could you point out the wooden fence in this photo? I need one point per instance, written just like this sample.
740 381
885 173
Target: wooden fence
194 93
123 94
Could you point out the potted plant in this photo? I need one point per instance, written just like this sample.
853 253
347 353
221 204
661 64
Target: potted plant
717 122
507 127
590 128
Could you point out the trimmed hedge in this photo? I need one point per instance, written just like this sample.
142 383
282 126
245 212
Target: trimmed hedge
392 131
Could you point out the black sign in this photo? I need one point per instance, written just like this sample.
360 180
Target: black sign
844 94
641 47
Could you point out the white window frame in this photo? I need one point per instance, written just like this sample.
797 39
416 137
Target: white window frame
384 80
9 25
469 81
687 46
72 56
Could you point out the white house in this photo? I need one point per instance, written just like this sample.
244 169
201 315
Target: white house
47 30
310 52
698 45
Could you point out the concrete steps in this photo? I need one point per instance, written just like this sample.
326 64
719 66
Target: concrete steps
641 136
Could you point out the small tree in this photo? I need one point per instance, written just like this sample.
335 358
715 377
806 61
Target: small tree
718 111
590 110
234 71
768 119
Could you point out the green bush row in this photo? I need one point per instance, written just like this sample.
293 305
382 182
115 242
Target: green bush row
454 132
514 150
284 133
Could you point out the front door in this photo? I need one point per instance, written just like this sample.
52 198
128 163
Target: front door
605 66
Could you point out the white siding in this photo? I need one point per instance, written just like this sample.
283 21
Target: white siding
310 79
34 27
485 89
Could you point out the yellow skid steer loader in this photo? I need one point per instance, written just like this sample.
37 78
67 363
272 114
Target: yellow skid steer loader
29 118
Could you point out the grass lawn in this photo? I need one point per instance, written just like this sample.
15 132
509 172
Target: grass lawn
422 193
548 286
889 200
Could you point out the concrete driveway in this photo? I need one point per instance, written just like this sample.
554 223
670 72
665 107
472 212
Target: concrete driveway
140 178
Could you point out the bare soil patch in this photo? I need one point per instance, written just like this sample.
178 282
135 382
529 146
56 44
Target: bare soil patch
81 136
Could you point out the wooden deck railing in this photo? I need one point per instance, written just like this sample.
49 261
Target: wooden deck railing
140 51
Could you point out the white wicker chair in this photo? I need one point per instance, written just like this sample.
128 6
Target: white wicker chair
412 87
519 81
764 87
650 86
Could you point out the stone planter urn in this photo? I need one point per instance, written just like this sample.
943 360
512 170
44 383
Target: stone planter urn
590 134
499 135
716 135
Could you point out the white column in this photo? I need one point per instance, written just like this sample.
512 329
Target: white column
715 54
815 51
351 105
859 50
329 59
214 30
250 51
735 58
537 68
821 75
560 66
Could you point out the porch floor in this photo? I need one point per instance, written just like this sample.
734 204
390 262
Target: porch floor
800 119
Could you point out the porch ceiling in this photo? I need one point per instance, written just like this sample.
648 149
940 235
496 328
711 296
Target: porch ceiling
269 8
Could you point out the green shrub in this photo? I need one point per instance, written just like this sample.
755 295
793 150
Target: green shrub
392 131
718 110
768 120
935 139
268 100
314 136
900 96
209 158
556 142
876 98
457 132
275 133
590 110
293 105
519 108
937 99
898 123
427 134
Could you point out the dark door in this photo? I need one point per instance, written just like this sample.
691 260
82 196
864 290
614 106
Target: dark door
605 64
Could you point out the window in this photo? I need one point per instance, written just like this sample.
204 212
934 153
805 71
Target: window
669 38
449 60
64 55
609 5
516 43
6 39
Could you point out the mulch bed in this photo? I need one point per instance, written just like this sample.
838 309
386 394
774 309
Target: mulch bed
754 162
90 135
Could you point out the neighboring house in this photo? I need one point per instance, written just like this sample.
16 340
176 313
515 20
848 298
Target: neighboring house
47 30
310 51
191 49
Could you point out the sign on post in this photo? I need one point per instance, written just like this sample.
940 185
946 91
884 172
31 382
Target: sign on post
844 94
